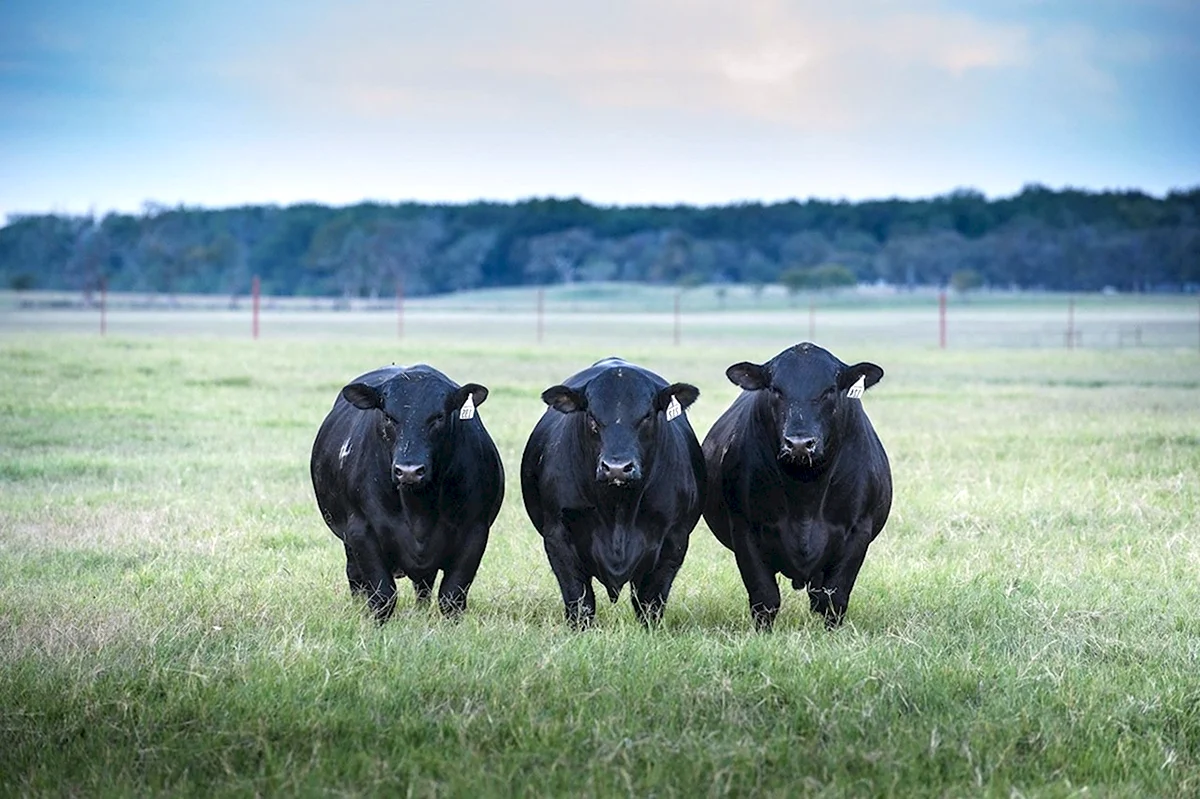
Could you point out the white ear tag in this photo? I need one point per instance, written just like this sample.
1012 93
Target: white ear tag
468 408
856 391
674 408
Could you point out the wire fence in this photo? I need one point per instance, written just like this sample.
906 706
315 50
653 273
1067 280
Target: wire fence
537 316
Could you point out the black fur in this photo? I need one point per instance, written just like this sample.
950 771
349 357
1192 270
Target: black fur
798 481
613 487
417 489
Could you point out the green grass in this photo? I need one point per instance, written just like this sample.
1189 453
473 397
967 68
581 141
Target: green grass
174 617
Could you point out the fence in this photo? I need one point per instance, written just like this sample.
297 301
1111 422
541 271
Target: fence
683 318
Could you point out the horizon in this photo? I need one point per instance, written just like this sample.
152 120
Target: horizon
148 205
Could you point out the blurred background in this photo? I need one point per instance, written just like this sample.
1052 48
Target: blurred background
364 151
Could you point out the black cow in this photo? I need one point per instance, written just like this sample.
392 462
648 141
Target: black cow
798 482
407 476
613 479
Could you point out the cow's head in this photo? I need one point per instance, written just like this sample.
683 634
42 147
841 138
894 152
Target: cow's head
416 412
620 413
804 397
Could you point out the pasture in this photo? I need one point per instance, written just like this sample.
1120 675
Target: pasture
174 617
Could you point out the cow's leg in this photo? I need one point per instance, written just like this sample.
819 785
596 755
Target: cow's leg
839 580
376 579
358 586
759 579
818 596
423 587
457 579
649 594
579 600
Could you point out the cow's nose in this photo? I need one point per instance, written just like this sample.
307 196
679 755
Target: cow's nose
618 472
408 473
801 446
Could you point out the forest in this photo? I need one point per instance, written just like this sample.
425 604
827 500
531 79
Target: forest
1039 238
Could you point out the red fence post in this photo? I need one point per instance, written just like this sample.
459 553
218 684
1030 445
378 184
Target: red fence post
942 319
541 310
677 295
399 308
255 287
103 305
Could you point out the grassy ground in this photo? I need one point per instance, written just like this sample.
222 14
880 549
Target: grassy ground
174 618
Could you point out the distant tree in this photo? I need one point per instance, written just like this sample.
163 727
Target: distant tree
796 279
964 280
554 257
805 249
1066 239
460 265
831 276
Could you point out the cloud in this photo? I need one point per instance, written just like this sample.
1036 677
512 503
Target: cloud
811 65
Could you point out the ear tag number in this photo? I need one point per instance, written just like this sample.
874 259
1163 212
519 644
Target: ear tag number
856 391
468 408
673 408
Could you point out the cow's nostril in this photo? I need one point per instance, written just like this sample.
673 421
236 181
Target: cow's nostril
625 470
807 445
407 473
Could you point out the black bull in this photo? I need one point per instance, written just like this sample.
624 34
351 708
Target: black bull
407 476
613 480
798 481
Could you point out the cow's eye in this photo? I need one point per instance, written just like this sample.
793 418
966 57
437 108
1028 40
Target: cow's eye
388 426
593 425
437 418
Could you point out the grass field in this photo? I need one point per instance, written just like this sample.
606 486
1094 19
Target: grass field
174 617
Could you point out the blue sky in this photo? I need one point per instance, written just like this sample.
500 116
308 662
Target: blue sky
216 103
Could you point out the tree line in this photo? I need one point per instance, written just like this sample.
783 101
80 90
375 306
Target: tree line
1039 238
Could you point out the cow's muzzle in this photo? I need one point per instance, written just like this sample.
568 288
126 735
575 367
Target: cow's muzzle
800 449
408 474
618 472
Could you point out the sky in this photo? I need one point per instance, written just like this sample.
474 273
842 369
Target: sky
112 105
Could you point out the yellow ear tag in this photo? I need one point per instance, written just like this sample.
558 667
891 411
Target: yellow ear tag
674 408
468 408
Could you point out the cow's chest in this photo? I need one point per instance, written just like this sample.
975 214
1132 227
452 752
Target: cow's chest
801 542
415 539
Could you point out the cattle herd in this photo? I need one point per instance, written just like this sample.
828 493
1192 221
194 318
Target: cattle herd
791 477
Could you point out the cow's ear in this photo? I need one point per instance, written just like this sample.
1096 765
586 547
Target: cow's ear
869 372
360 395
456 399
564 400
684 393
749 376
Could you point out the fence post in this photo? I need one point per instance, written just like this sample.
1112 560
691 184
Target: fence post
255 287
942 319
